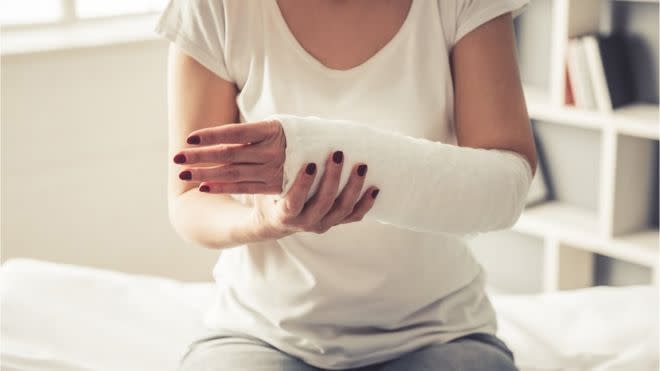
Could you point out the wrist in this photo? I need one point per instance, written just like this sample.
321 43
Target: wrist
257 228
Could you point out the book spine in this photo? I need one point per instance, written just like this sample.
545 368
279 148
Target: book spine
597 73
569 97
585 76
576 71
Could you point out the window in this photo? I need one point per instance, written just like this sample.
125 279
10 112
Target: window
99 8
29 11
36 12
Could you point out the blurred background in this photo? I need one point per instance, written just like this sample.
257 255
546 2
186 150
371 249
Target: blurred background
84 138
590 74
84 145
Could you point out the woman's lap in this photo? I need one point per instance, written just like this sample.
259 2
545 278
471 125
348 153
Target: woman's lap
472 353
235 353
467 354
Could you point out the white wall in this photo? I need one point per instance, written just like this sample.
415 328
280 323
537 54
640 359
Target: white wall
84 151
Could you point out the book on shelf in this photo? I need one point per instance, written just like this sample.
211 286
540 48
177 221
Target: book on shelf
579 76
569 99
599 72
617 69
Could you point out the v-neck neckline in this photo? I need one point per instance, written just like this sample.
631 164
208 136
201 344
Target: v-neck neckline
381 53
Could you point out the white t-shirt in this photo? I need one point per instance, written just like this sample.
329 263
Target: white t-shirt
363 292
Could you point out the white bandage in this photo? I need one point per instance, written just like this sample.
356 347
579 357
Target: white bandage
424 185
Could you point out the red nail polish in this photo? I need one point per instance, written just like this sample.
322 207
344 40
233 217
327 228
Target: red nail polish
374 193
310 169
185 175
204 188
180 158
361 170
337 157
193 139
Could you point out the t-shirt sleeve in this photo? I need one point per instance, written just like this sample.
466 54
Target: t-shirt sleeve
198 28
467 15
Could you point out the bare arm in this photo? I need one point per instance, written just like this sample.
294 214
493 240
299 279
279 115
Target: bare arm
489 103
204 105
197 98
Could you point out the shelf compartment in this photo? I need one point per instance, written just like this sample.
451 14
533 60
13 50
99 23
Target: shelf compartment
580 228
540 108
634 185
567 268
531 29
638 120
641 248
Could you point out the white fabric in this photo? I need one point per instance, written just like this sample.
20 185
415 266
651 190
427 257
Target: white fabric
599 328
70 318
62 317
307 294
425 186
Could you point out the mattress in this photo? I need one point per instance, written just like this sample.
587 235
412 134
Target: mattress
63 317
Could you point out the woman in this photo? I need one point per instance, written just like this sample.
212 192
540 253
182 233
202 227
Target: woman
338 153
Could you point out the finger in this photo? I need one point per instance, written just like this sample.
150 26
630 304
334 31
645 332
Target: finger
232 173
362 206
319 204
243 187
224 154
346 200
234 133
294 199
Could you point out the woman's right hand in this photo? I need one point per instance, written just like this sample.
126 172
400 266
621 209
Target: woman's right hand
279 217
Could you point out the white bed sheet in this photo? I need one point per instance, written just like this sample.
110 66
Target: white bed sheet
69 318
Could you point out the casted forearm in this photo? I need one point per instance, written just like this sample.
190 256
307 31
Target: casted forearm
425 186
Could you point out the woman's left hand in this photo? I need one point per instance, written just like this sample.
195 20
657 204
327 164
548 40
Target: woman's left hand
249 158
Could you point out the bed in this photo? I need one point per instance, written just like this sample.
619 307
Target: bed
64 317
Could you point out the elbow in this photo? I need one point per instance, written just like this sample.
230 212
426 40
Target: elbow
507 218
513 217
516 205
187 232
180 225
177 224
521 180
190 230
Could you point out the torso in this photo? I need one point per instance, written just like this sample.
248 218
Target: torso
344 34
361 292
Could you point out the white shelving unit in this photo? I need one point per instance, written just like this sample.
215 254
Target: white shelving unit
619 228
637 120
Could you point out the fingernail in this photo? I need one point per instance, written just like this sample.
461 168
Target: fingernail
204 188
180 158
337 157
193 139
362 169
374 193
310 169
185 175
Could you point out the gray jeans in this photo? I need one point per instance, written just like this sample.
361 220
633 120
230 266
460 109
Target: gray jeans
474 352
